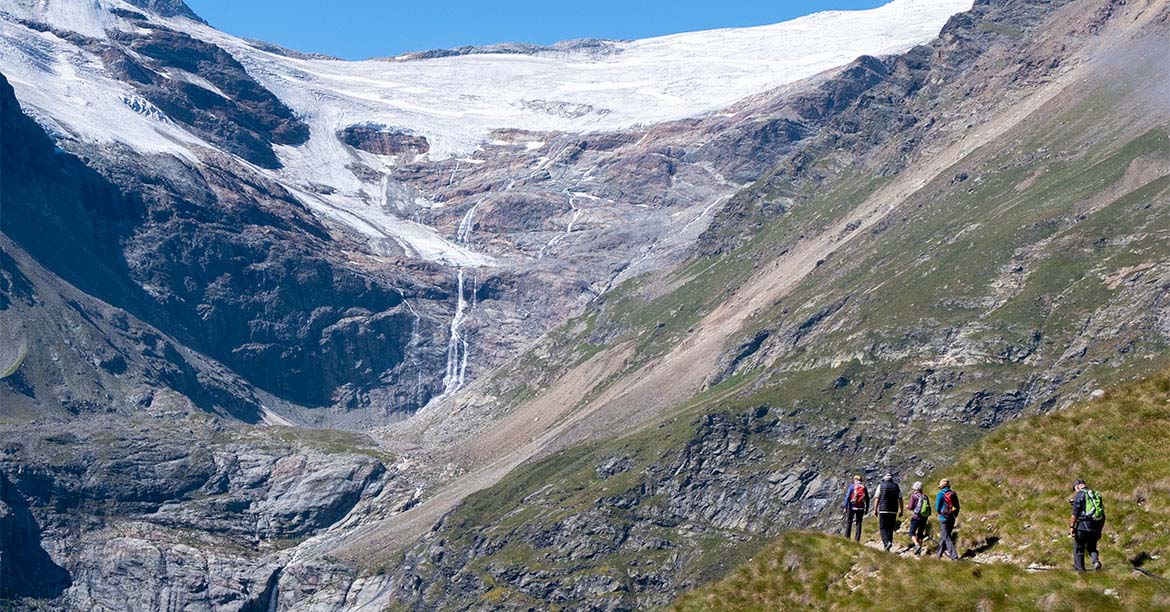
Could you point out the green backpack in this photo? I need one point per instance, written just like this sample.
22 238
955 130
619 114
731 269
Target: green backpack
923 508
1094 507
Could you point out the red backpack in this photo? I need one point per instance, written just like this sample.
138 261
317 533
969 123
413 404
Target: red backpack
950 503
857 497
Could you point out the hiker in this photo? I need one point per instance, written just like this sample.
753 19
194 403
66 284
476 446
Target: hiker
855 506
919 508
888 509
1088 520
946 503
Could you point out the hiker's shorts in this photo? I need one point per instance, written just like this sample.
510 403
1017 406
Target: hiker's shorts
917 527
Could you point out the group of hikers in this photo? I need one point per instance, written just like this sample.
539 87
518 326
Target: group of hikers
1088 516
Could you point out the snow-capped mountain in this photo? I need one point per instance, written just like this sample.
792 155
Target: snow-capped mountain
56 53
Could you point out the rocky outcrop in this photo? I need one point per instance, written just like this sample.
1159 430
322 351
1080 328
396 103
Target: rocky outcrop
724 485
237 112
381 140
168 8
115 515
26 570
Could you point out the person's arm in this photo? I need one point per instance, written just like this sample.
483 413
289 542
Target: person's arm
1078 507
938 502
848 494
900 500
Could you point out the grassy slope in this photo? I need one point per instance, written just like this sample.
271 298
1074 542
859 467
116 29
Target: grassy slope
1015 484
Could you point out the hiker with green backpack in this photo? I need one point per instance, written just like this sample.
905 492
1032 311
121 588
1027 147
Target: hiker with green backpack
1088 521
919 508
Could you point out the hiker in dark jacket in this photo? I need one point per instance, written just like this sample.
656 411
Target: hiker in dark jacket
1088 520
919 508
855 506
946 504
888 509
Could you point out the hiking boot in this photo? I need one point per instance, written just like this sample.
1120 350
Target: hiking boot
1096 566
917 551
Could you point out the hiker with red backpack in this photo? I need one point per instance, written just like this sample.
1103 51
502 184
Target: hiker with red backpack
1088 520
919 508
856 506
946 503
888 509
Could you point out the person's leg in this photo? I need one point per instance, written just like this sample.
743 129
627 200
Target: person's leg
948 529
1079 550
860 514
1091 546
848 527
943 534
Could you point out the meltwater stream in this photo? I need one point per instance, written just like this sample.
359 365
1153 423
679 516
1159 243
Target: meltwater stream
456 344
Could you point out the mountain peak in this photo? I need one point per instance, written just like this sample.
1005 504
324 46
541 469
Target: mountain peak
167 8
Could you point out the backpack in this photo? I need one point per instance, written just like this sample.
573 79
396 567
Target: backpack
1094 507
857 497
950 504
922 508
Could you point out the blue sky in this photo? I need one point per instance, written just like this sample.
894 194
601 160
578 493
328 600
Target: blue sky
356 29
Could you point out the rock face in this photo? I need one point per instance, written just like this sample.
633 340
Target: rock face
381 140
26 570
233 111
157 515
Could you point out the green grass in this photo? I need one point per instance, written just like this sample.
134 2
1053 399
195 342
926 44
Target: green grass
811 571
21 355
1016 482
1014 485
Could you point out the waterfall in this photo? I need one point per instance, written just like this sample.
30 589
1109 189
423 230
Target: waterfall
568 228
456 358
467 223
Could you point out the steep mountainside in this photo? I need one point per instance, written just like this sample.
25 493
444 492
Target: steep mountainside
577 327
1000 254
368 236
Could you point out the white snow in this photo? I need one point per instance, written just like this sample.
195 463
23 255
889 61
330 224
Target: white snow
455 102
67 90
86 17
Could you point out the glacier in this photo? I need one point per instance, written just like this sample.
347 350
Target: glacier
457 103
